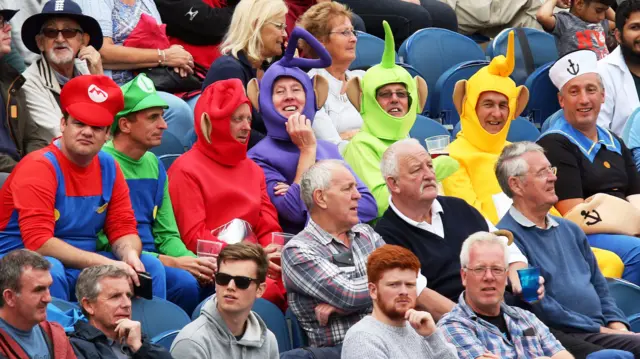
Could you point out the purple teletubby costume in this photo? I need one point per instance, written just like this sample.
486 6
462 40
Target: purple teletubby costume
278 156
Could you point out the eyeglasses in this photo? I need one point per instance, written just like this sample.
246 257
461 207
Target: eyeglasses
66 33
480 271
346 33
240 281
388 94
546 172
279 25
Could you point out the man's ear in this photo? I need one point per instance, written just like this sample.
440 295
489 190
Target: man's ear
321 90
515 185
459 92
86 38
617 35
261 288
523 99
423 92
39 42
391 184
253 92
318 199
354 92
87 306
206 127
123 124
373 291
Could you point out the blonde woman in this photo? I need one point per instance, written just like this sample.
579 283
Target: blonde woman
330 22
256 35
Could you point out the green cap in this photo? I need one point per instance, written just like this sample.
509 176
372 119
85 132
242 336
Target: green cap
139 94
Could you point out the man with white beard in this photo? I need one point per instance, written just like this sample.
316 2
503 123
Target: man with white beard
68 42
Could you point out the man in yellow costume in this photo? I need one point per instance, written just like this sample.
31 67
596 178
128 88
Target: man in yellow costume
487 103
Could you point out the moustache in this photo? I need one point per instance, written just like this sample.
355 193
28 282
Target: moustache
427 183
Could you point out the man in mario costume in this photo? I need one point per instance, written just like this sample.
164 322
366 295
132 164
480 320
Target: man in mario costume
59 198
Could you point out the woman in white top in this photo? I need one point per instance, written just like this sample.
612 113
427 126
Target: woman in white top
330 22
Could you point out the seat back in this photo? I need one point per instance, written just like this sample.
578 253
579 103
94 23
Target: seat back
424 128
168 159
542 45
442 106
275 321
298 336
158 315
522 130
165 339
631 138
626 294
432 51
170 145
550 120
369 51
196 312
543 96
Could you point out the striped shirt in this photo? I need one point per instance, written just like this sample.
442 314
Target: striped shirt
474 336
312 277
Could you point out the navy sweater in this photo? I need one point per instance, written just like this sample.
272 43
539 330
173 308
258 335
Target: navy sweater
577 296
439 257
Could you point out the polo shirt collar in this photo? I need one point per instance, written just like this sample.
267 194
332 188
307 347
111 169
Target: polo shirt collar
436 207
525 222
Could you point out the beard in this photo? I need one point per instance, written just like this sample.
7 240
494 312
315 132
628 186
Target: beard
629 54
391 311
60 60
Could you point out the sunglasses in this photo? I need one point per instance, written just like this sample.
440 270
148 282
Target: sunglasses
66 33
241 282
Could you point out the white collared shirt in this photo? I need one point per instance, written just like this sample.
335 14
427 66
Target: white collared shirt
436 227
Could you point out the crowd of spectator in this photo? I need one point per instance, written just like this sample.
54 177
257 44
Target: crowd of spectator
389 252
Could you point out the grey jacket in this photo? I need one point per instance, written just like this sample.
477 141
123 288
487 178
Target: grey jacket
209 337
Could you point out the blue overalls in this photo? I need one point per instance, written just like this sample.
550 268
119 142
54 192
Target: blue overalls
78 221
147 195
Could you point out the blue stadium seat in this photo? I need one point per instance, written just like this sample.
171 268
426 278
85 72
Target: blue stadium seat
274 319
298 336
158 315
442 94
543 96
626 294
410 69
168 159
425 127
433 51
626 131
196 312
170 145
550 120
542 45
520 130
64 305
369 51
165 339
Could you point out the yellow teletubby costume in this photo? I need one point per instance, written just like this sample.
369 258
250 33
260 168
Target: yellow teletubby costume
476 149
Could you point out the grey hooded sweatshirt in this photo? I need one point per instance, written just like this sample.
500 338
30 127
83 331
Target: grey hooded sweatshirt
209 337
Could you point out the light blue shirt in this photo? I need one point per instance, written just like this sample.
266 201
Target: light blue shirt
32 341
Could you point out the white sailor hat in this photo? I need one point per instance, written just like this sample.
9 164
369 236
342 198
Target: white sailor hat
573 65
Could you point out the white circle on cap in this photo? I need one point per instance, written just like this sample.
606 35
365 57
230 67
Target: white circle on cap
145 84
96 94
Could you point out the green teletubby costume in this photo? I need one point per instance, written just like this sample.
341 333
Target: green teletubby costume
380 130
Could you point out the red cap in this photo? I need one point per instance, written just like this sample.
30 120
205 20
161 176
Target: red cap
92 99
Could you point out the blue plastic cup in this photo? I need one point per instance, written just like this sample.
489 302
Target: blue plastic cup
530 283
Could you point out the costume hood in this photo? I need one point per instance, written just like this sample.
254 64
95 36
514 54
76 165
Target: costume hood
288 66
212 116
493 77
376 121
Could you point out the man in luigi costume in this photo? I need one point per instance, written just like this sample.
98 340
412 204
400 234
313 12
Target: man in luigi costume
136 129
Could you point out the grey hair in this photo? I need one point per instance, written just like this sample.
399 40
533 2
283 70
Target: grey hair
484 238
511 164
316 177
13 264
88 284
389 163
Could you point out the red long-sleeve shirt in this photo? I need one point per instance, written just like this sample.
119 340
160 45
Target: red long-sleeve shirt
31 191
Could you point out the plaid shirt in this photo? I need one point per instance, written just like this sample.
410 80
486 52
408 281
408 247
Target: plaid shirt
311 277
474 336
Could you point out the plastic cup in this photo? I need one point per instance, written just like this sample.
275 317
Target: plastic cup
529 280
280 239
438 145
208 248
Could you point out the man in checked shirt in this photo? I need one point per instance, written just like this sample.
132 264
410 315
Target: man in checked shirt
324 266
